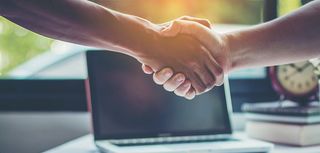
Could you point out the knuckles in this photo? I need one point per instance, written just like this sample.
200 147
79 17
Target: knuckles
201 89
220 74
193 65
220 71
210 84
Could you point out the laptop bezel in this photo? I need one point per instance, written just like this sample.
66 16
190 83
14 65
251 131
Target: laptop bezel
90 56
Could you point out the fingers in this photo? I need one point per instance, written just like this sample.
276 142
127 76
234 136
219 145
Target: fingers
201 80
174 82
147 69
162 76
204 78
190 94
207 80
197 83
204 22
183 88
216 71
215 76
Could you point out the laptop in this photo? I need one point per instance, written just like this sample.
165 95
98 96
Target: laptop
131 114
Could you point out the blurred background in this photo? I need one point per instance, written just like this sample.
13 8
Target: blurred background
42 99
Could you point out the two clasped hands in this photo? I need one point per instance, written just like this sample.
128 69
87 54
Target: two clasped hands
201 62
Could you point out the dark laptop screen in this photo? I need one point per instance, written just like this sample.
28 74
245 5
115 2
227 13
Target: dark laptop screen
126 103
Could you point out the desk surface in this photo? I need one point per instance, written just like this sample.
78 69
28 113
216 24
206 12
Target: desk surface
85 145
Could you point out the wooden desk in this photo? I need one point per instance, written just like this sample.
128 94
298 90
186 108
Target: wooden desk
85 145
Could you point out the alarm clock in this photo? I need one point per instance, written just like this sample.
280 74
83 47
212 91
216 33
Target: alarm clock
297 82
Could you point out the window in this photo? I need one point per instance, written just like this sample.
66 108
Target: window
17 45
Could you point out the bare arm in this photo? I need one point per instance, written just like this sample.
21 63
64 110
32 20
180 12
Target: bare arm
81 22
294 37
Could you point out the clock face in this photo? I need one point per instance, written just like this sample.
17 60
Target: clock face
298 78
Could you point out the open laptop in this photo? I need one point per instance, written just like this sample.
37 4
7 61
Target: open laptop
131 114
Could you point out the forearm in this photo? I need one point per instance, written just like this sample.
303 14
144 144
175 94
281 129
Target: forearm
82 22
291 38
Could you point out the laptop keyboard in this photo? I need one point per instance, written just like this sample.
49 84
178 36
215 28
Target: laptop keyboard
168 140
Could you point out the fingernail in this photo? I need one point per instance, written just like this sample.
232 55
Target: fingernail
190 97
168 74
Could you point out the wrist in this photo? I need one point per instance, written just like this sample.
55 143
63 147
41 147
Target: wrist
226 60
235 51
139 34
148 39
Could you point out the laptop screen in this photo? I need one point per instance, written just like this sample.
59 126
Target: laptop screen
126 103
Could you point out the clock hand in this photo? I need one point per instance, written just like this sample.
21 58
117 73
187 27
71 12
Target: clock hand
294 66
305 66
298 70
292 74
287 77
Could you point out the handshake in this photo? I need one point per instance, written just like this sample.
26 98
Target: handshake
187 57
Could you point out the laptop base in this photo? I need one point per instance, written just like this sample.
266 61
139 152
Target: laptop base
241 145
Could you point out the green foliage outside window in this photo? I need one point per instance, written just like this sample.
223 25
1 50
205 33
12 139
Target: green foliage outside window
18 45
287 6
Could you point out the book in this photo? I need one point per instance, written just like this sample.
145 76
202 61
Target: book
285 108
291 134
283 118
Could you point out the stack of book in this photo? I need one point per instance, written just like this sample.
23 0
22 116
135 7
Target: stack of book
283 123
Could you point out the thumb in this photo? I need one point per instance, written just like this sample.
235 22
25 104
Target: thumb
186 27
204 22
172 30
195 29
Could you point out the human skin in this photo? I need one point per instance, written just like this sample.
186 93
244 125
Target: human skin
288 39
87 23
